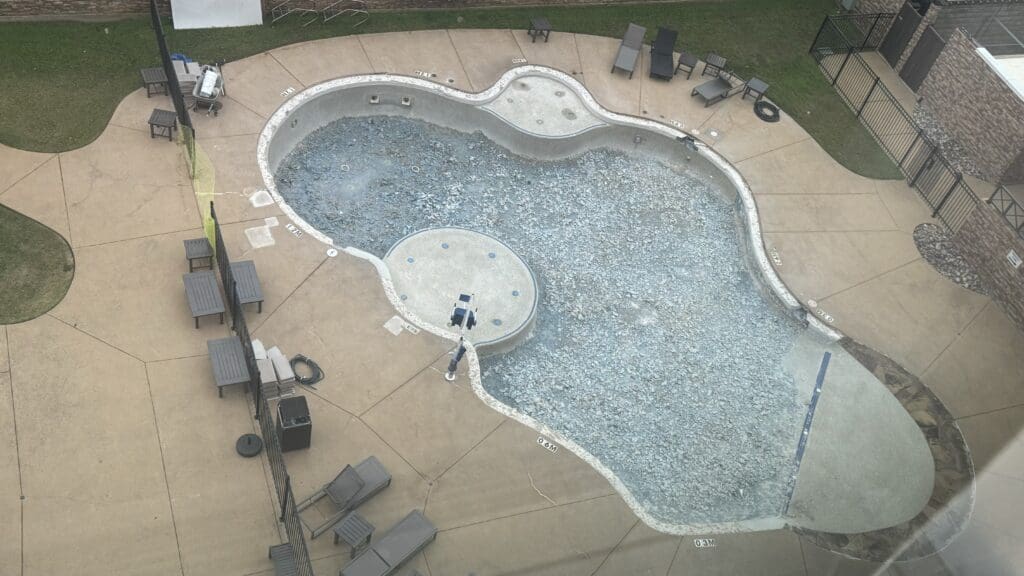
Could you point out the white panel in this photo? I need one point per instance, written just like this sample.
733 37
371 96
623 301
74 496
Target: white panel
216 13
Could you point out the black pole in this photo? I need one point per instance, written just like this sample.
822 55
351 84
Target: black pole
258 400
924 166
818 35
912 144
849 52
949 193
868 97
870 30
284 496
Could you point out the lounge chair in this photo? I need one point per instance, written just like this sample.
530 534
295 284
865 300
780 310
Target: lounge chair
718 88
629 49
412 534
349 489
662 62
284 560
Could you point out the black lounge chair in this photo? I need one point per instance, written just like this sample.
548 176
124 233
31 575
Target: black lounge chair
662 65
349 489
629 49
717 89
385 556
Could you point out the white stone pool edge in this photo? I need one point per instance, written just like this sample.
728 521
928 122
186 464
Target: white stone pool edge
750 214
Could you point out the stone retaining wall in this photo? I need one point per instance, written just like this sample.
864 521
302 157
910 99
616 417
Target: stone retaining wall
985 240
50 8
30 8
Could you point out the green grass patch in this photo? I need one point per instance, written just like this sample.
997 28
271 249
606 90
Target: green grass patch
63 80
36 267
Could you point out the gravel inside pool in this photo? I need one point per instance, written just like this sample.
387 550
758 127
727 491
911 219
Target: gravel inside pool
654 347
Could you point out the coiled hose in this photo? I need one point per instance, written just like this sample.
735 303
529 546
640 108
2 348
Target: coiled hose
315 373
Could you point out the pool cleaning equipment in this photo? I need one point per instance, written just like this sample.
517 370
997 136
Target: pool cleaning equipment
465 319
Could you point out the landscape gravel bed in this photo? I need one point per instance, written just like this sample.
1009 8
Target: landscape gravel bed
936 245
655 348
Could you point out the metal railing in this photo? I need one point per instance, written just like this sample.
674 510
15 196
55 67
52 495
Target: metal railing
860 31
940 185
1011 211
355 8
186 130
271 443
307 8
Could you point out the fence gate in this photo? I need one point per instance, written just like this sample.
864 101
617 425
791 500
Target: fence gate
900 33
921 59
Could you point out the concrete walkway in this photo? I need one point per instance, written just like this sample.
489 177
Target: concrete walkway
116 456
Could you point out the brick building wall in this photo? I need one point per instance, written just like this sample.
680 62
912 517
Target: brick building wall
76 7
986 240
29 8
975 107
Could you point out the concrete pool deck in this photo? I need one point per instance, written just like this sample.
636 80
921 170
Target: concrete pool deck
114 383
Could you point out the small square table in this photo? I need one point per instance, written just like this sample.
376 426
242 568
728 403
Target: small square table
198 249
687 61
757 87
162 123
155 81
539 27
713 64
355 531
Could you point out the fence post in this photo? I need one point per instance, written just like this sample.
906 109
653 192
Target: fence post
912 144
870 30
232 300
284 498
849 52
868 97
258 399
993 195
924 166
949 193
818 35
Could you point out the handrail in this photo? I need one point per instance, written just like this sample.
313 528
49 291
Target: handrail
331 11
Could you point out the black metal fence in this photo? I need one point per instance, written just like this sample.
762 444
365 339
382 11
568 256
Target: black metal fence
271 443
187 131
857 31
892 126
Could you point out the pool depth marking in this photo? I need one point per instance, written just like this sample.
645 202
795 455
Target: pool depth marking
806 433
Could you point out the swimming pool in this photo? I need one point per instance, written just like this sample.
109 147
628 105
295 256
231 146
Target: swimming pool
664 347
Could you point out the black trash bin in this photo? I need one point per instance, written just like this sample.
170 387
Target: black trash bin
294 427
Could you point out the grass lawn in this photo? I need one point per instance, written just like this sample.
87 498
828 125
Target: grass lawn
36 267
62 80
